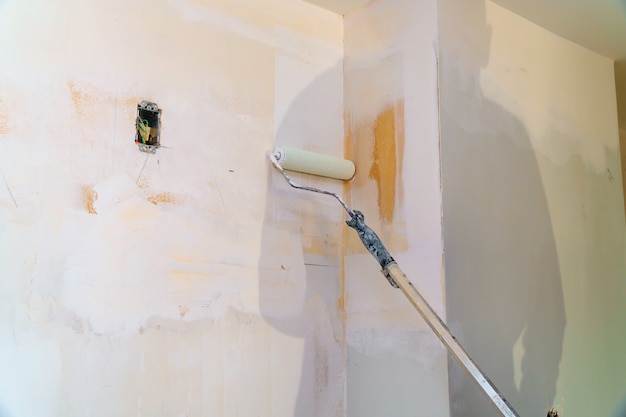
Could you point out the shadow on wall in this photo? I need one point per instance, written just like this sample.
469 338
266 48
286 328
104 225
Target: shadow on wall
300 283
503 286
620 410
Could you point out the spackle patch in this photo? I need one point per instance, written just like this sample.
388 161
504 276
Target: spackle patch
89 103
419 345
143 183
163 198
182 310
4 120
322 239
79 97
89 196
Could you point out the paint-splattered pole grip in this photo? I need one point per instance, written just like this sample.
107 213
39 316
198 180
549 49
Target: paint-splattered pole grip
372 243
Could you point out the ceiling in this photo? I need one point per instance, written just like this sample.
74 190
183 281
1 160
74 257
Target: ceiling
599 25
340 6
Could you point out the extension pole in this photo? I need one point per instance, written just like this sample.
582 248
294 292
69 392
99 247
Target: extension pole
398 279
394 272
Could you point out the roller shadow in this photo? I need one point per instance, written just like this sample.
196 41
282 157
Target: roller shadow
503 285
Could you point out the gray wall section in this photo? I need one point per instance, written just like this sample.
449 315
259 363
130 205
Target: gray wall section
503 279
528 237
502 274
397 384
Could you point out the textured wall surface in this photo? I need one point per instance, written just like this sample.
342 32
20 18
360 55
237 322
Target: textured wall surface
190 282
533 214
396 366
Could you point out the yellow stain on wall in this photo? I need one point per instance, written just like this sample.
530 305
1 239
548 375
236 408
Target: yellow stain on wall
377 148
400 135
79 97
89 197
143 183
386 159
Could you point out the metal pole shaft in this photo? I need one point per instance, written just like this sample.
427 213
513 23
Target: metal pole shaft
443 333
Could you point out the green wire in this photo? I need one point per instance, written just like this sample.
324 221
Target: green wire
143 124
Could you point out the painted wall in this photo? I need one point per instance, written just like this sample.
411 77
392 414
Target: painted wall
190 282
533 214
396 366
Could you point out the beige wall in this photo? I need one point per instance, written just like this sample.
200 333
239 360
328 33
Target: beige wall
396 366
533 213
197 284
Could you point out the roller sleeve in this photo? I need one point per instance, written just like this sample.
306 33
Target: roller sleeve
314 163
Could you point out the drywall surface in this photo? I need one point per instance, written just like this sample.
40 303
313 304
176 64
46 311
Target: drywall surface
190 282
533 214
396 366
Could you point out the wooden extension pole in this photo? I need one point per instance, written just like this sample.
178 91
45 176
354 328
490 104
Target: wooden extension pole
437 325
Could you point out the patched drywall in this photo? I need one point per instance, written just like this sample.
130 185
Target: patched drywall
192 281
396 366
533 214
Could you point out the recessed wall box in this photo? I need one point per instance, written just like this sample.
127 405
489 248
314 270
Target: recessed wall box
148 126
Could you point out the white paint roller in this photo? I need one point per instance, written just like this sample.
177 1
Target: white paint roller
314 163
